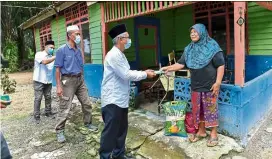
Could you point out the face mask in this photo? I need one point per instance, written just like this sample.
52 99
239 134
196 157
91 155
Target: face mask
128 44
77 40
50 51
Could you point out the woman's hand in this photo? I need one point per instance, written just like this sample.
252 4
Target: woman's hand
165 69
215 89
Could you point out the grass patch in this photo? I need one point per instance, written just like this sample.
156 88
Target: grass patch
13 116
48 137
83 155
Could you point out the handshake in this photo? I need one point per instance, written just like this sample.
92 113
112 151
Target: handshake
152 73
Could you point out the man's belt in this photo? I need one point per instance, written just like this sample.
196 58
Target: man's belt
71 75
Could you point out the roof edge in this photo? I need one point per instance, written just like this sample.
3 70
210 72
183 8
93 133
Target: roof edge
47 12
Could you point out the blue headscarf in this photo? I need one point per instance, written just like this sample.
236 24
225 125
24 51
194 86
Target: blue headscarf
199 54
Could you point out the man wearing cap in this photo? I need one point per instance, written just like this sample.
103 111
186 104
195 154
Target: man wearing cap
42 78
70 82
115 94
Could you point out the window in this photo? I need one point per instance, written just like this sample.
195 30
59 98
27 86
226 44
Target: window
219 20
78 15
45 34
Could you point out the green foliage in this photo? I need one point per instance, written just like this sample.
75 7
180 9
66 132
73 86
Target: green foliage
11 18
30 54
7 85
11 54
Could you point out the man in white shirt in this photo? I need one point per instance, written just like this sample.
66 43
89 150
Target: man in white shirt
115 94
42 79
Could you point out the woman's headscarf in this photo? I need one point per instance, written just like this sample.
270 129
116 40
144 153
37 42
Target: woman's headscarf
199 54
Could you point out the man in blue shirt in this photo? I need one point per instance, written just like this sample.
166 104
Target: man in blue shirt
115 94
70 82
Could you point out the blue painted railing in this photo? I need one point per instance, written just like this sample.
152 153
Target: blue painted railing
240 108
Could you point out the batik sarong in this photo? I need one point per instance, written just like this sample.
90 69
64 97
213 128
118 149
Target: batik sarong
205 109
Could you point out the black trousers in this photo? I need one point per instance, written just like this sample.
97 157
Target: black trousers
41 90
113 136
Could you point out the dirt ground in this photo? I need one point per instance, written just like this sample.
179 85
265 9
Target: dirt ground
20 106
22 78
28 140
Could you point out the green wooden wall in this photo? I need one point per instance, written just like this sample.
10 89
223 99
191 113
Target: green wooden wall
37 39
58 31
175 26
95 33
183 22
259 30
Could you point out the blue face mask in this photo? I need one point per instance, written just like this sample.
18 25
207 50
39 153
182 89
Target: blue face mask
128 44
50 51
77 40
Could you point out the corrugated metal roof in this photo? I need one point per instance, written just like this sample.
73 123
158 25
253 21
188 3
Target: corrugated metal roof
47 12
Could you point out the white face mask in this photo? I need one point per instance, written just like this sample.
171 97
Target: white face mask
77 40
128 44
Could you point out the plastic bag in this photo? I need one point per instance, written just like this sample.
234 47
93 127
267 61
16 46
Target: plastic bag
175 116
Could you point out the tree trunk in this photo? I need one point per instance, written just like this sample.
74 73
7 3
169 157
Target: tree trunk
21 47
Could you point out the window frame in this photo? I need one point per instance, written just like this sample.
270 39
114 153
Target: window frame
45 34
75 13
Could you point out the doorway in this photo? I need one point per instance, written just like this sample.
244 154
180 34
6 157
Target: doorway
148 52
147 42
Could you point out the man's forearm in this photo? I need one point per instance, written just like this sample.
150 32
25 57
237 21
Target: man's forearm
47 61
58 76
220 74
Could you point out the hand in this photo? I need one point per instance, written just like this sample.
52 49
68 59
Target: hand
215 89
59 91
165 69
150 73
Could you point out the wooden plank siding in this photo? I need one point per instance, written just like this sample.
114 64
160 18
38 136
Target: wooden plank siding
259 29
58 30
95 33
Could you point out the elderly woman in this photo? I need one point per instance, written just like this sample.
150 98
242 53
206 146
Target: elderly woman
205 59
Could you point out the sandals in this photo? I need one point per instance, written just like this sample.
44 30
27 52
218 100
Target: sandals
196 138
212 142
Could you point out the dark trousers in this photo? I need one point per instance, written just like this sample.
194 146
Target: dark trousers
5 154
114 134
40 91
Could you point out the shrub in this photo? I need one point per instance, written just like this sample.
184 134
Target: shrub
10 51
7 85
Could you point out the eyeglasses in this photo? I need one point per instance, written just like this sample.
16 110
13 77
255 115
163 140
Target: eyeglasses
124 37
